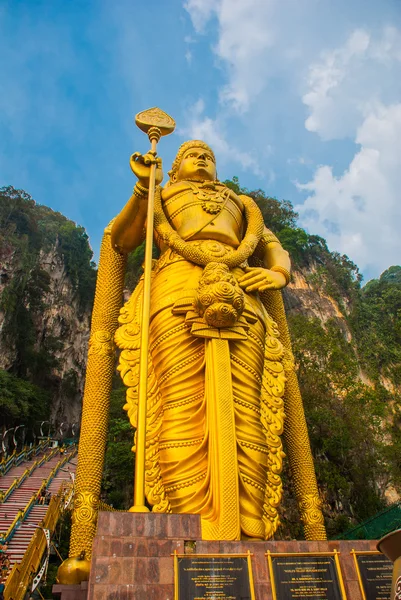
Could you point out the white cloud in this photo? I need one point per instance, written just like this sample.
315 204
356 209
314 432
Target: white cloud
355 92
245 34
349 81
359 213
200 11
201 127
267 50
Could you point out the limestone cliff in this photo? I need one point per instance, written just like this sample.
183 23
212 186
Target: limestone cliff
44 310
300 297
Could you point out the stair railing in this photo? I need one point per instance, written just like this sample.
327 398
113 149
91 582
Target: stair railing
23 513
19 480
16 483
22 573
15 459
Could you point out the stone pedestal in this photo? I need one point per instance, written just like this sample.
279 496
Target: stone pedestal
133 556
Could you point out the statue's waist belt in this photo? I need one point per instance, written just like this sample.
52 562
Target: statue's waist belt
216 251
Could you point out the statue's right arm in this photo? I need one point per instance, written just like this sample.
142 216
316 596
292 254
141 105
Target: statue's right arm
128 226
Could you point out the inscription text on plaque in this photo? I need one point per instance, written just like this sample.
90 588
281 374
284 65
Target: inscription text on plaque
213 577
375 573
313 576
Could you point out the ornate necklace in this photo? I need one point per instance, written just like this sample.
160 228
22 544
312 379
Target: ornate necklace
212 200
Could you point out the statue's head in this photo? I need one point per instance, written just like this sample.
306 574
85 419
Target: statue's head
195 160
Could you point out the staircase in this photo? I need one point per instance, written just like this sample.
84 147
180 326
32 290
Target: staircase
26 454
18 499
21 497
21 538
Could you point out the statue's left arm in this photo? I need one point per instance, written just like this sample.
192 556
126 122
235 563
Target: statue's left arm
276 272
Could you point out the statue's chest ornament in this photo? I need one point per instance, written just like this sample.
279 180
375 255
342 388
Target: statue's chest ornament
212 200
198 255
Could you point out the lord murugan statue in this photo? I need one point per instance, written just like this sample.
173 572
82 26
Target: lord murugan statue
221 384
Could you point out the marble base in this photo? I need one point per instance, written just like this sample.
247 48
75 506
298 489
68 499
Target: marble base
133 556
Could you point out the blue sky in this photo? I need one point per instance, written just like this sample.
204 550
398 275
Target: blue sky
301 99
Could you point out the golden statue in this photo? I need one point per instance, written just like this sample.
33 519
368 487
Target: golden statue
220 371
215 407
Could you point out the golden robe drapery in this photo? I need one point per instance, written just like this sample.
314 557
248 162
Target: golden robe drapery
215 408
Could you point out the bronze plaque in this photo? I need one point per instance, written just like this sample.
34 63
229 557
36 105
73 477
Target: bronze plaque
213 577
295 576
375 575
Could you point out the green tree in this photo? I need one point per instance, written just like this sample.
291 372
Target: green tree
21 401
118 474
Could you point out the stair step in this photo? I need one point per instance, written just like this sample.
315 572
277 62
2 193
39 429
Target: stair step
19 499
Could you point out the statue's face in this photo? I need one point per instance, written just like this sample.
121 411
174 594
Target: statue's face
197 163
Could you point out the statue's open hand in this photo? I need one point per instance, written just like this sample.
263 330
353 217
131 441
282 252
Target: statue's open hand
140 165
260 279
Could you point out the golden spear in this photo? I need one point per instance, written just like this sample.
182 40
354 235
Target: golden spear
155 123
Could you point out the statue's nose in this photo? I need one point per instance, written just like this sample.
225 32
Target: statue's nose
202 156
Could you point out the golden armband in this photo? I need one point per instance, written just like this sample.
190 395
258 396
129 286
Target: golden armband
140 191
268 238
283 271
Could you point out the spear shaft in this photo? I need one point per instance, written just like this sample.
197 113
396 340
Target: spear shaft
139 483
155 123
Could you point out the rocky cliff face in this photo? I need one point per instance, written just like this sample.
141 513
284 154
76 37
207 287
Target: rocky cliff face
60 318
302 298
44 324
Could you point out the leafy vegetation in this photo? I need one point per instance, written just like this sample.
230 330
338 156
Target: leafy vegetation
118 471
376 320
33 228
345 421
21 401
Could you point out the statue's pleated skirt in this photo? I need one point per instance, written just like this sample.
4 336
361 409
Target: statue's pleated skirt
190 426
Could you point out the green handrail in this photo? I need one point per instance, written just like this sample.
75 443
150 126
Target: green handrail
18 480
15 459
23 513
